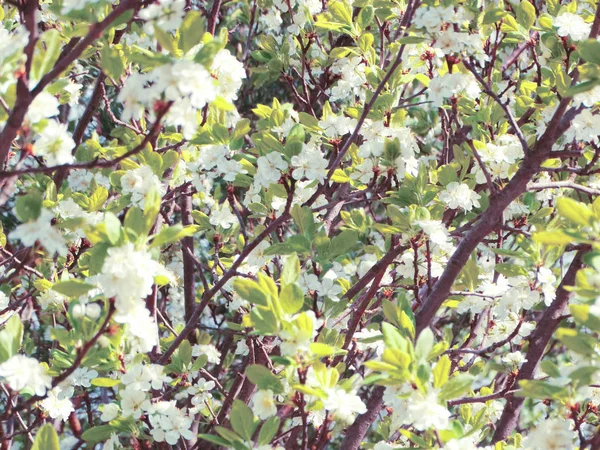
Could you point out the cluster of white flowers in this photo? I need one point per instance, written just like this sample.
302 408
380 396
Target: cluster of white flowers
128 275
446 86
55 144
411 407
572 25
351 84
139 182
498 158
41 230
21 372
459 195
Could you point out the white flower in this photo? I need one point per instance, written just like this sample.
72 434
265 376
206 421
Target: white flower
134 402
109 412
22 372
552 434
169 424
364 172
223 217
43 106
430 18
4 303
572 25
585 127
588 98
343 405
12 41
134 97
309 164
168 14
142 330
449 41
437 232
328 286
547 279
269 169
514 358
41 230
51 298
213 355
229 72
336 126
139 182
263 404
426 412
82 376
112 443
459 195
201 392
57 404
55 144
128 275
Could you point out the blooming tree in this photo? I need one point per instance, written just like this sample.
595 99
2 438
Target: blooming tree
299 224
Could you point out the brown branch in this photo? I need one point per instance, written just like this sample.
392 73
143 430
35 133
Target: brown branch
492 216
538 340
25 97
361 425
208 295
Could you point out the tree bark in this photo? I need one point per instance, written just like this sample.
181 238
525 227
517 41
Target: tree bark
538 340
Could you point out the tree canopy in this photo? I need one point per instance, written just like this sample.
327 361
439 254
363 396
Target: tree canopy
299 224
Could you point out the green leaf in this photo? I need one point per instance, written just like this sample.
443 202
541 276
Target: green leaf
191 31
291 298
441 371
291 270
11 337
268 430
134 220
112 227
251 291
411 40
28 207
172 234
264 379
526 15
104 382
456 386
165 40
242 420
202 220
98 198
556 237
511 270
577 212
72 288
576 341
365 17
214 439
342 243
48 51
99 433
493 15
589 50
339 176
392 337
581 314
151 208
540 389
112 61
424 343
46 439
